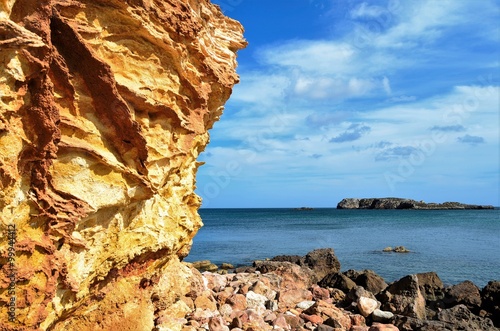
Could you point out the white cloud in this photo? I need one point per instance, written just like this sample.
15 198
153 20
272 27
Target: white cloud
364 10
310 56
332 88
260 88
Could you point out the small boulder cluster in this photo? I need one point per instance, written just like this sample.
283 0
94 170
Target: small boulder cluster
309 293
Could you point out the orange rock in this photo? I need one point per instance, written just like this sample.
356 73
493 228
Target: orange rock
237 301
205 301
315 319
290 298
105 108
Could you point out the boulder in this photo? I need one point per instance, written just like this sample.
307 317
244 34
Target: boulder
205 265
289 298
382 316
463 293
322 262
358 292
463 319
490 296
332 315
401 249
215 282
256 301
304 305
324 327
366 306
320 293
431 286
217 323
382 327
263 287
237 301
404 297
296 259
337 280
371 281
226 266
314 319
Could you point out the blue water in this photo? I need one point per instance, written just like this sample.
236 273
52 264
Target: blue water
457 244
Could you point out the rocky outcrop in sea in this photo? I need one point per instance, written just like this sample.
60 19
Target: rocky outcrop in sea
309 293
401 203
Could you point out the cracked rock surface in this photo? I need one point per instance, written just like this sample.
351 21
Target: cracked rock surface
105 106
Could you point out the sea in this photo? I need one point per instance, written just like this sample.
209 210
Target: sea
457 244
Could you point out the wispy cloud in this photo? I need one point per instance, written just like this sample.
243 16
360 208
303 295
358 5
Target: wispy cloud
354 132
396 153
472 140
364 10
448 128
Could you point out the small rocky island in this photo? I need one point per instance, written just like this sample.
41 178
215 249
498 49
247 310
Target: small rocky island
401 203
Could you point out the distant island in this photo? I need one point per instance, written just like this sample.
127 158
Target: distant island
401 203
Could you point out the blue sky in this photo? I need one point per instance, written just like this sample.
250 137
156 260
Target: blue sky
348 98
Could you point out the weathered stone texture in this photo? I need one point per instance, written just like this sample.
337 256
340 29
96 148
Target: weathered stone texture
104 108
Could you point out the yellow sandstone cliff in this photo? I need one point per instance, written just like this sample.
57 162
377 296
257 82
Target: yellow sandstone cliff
104 108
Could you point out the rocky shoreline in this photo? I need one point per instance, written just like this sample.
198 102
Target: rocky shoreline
401 203
309 293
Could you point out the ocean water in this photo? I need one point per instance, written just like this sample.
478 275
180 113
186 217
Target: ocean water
457 244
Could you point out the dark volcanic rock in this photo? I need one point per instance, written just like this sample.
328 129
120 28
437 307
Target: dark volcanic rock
404 297
322 262
453 319
431 286
464 293
288 258
491 301
368 279
339 281
400 203
463 319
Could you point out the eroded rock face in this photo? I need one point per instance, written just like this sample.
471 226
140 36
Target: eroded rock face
104 108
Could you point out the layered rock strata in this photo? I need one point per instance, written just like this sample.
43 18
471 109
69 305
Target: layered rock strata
104 108
401 203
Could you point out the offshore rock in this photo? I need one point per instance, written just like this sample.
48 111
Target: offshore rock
400 203
104 108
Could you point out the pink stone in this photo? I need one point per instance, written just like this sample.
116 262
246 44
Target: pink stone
216 323
315 319
383 327
320 293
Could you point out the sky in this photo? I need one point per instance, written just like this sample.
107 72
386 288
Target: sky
348 98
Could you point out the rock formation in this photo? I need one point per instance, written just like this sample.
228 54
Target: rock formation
400 203
104 108
281 294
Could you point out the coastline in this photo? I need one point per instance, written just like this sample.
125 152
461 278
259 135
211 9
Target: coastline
291 292
443 241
